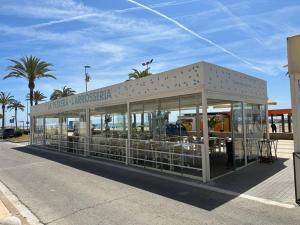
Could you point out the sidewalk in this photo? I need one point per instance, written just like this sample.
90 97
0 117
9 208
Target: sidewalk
271 181
8 214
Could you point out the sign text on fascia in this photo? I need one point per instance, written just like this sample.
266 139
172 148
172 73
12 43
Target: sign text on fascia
81 99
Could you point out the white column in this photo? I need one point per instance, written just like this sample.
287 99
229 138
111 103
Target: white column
197 121
267 122
244 131
295 98
127 161
87 132
44 130
59 131
205 157
31 129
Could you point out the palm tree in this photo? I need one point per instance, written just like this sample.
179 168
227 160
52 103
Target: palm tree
5 99
15 105
30 68
65 92
136 74
38 97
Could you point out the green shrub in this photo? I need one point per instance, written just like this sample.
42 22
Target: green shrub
18 133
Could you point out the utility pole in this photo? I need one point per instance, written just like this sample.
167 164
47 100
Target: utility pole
27 123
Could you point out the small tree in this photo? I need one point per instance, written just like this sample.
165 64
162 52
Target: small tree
5 99
65 92
15 105
38 97
136 74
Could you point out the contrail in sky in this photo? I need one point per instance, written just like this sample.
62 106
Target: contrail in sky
196 35
159 5
64 20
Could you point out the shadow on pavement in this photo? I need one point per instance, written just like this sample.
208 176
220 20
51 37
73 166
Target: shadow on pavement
246 178
184 193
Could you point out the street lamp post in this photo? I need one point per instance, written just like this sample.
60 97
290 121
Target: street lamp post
87 76
147 63
27 98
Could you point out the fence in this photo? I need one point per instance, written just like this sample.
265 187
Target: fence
183 159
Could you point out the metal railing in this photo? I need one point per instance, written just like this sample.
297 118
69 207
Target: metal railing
108 148
172 157
180 158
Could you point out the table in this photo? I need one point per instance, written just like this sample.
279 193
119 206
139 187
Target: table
268 143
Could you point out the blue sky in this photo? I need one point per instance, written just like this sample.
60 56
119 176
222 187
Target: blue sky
117 35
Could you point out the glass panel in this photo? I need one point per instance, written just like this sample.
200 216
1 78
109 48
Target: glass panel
108 129
52 131
159 123
220 137
167 119
255 118
38 134
237 134
144 123
73 131
109 121
38 125
190 118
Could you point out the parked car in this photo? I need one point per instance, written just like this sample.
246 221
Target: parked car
7 133
173 129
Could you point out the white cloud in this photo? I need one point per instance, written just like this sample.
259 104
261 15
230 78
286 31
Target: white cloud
45 9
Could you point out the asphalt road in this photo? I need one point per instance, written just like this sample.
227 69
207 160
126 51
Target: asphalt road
60 189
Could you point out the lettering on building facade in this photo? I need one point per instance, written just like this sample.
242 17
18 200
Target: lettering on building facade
81 99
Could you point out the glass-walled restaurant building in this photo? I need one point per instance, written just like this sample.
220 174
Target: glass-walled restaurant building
140 122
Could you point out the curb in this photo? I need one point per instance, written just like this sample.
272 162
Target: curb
10 220
6 218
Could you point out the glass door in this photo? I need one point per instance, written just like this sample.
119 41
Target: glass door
238 134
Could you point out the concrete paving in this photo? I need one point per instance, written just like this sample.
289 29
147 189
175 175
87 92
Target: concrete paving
273 181
64 190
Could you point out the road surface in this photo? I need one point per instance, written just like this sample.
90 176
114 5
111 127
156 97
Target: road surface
65 190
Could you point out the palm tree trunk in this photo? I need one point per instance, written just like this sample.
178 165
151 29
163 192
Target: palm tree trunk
31 86
16 119
3 116
31 96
